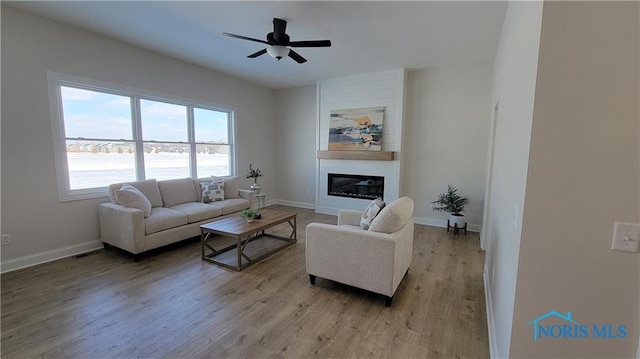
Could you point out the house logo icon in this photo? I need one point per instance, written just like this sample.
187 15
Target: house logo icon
556 325
553 313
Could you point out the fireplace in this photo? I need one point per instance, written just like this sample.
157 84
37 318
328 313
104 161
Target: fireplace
355 186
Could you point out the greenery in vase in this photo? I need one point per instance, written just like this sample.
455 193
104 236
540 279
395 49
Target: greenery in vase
249 213
450 201
254 173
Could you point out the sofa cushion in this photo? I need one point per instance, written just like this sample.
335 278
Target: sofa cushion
393 216
131 197
231 187
197 211
177 191
233 205
148 187
162 218
371 212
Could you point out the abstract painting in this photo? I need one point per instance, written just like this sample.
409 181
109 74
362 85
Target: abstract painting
356 129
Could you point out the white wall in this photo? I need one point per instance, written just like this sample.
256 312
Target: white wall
295 139
446 137
584 165
376 89
513 87
43 228
439 102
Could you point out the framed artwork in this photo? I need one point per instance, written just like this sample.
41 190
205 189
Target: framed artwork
357 129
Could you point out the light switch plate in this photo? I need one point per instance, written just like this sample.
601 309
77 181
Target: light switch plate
626 237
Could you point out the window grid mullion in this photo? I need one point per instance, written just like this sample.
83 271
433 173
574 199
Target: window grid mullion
137 135
193 165
231 139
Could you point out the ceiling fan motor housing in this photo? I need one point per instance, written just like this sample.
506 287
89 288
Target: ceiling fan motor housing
281 40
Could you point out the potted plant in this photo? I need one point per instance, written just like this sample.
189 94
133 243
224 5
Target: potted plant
254 173
250 214
453 203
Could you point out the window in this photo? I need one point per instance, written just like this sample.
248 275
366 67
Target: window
105 134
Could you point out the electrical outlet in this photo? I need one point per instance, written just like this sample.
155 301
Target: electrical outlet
626 237
6 239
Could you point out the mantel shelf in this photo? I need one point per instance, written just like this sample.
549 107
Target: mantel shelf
357 155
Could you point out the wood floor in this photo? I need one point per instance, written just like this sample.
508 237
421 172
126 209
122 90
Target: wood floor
171 304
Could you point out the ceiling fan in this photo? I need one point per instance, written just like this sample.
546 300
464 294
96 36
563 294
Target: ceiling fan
279 44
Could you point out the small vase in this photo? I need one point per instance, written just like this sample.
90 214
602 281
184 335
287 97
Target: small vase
249 219
255 187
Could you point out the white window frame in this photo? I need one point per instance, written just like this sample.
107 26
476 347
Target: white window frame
56 80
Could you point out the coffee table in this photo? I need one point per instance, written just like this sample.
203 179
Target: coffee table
250 240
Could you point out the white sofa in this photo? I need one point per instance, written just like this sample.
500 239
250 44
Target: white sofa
176 213
375 259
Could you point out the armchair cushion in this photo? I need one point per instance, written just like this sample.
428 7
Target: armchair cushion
393 216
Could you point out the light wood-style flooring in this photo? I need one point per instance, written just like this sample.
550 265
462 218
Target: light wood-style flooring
171 304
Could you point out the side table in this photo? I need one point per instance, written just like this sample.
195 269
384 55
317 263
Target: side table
260 197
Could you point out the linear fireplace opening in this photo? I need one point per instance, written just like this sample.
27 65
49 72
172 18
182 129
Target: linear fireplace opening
355 186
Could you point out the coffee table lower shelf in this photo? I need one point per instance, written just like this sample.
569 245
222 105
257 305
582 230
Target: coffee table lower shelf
249 243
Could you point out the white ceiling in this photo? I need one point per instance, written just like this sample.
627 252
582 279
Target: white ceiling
366 35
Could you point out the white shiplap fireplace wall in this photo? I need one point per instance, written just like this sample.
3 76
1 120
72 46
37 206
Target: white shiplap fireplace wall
386 89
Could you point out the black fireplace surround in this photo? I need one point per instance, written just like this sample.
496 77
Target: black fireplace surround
355 186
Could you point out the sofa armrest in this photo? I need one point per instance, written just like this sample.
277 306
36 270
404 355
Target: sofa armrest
122 227
370 260
248 195
349 217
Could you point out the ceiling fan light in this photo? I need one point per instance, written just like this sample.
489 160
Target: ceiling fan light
278 51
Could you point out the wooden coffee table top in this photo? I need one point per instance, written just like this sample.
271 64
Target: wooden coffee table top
235 225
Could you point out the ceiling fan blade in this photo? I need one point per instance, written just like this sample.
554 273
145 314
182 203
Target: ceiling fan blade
294 55
244 38
261 52
312 43
279 29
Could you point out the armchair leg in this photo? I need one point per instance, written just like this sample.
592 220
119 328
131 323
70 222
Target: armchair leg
312 279
388 301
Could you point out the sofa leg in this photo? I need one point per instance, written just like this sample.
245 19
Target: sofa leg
312 279
388 301
106 246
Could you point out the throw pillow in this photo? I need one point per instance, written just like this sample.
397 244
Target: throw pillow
131 197
206 188
393 216
212 192
371 212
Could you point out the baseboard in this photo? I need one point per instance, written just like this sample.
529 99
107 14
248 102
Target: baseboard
434 222
48 256
292 203
327 210
491 327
